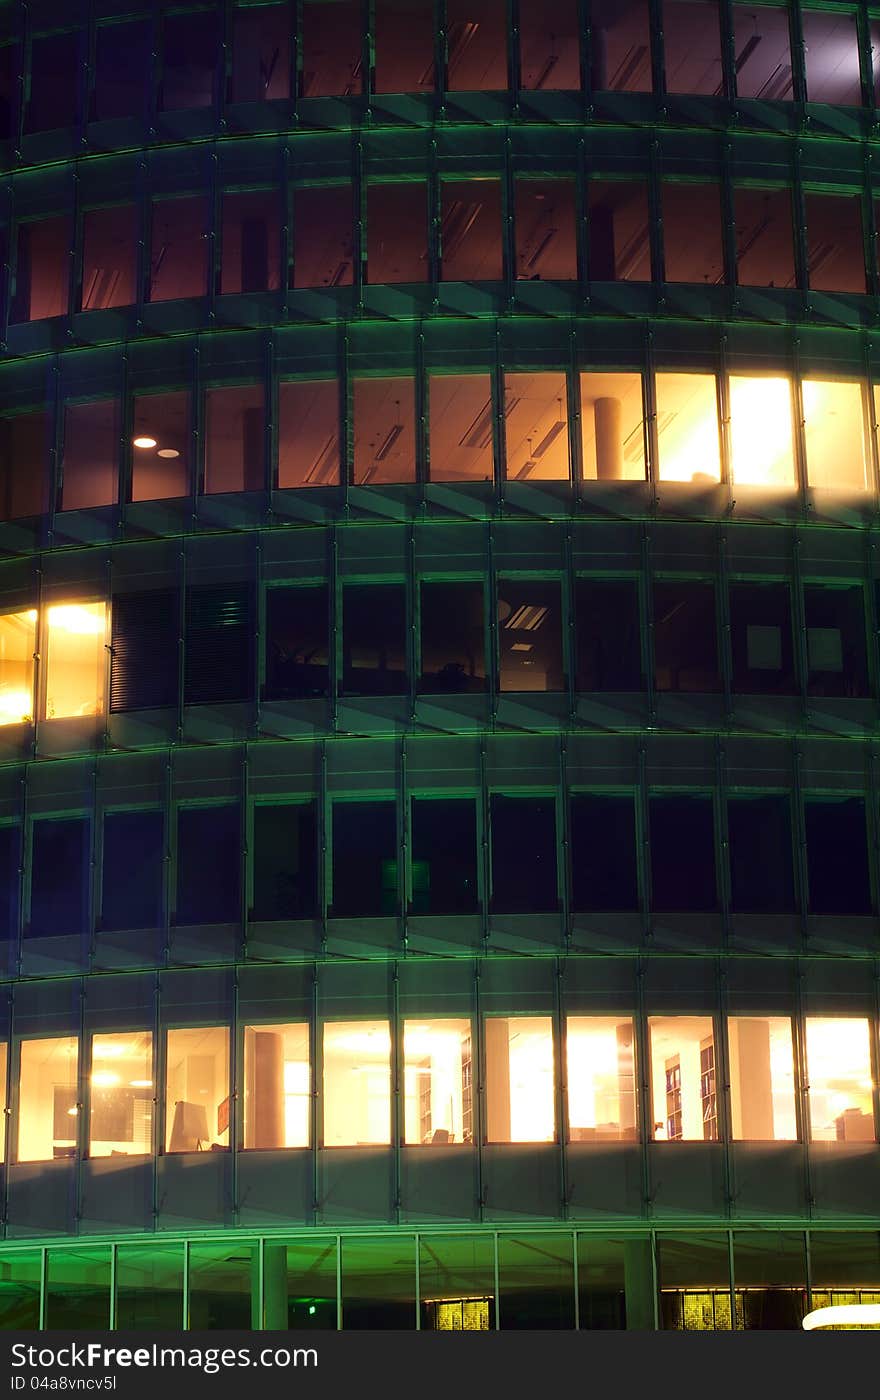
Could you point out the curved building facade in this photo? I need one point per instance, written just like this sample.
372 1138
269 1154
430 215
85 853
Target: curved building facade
438 663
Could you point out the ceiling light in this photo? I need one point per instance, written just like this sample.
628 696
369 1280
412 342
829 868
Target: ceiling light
843 1315
526 618
390 439
144 442
140 1083
168 452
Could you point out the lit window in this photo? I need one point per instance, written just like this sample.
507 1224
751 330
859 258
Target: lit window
548 45
397 232
684 1096
763 52
403 32
277 1079
470 230
692 244
519 1079
197 1089
438 1082
835 242
617 221
461 426
121 1095
330 44
764 242
42 270
530 635
831 56
384 431
687 428
476 45
761 431
536 432
109 257
17 646
692 45
357 1083
762 1079
600 1055
544 222
77 637
179 248
250 242
160 454
235 446
612 427
839 1077
308 433
47 1103
837 453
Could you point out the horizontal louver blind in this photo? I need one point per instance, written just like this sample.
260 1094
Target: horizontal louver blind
143 670
218 660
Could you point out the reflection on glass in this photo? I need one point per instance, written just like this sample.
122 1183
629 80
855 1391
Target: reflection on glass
310 1267
764 242
20 1293
197 1102
121 1095
548 45
457 1283
770 1273
384 431
149 1286
536 434
600 1055
78 1288
357 1083
17 646
761 431
77 637
47 1102
835 245
378 1282
620 47
160 446
683 1078
831 49
687 428
837 453
763 52
220 1284
536 1282
694 1276
519 1079
762 1078
308 432
612 427
277 1086
438 1082
841 1090
461 421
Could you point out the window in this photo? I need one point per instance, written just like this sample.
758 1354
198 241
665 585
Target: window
9 88
251 242
612 427
692 45
694 1276
548 46
443 833
620 48
476 45
260 54
838 454
122 70
235 447
762 431
90 461
603 853
323 236
374 639
47 1099
397 232
56 65
297 642
76 637
530 635
762 50
42 270
839 1079
220 1283
384 431
682 853
536 1278
462 1264
191 44
762 1079
24 460
285 861
470 230
835 243
133 870
77 1292
357 1083
835 622
208 865
760 848
544 219
618 231
764 242
837 855
692 247
760 639
404 36
149 1286
687 428
331 49
179 248
438 1082
308 433
109 257
608 634
18 642
197 1102
519 1079
121 1095
365 859
684 1095
452 638
277 1086
10 862
161 446
3 1105
144 651
685 641
524 877
600 1055
536 431
461 427
831 49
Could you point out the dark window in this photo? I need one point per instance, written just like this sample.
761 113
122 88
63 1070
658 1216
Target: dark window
308 433
544 219
218 664
297 643
759 836
837 856
682 854
452 638
548 45
603 853
470 230
10 859
179 248
835 244
692 45
251 242
90 464
530 635
831 50
285 861
331 49
404 31
608 635
323 236
620 244
59 877
760 639
161 446
397 232
55 74
523 855
764 238
24 462
476 45
235 438
762 52
109 257
133 870
9 69
685 641
374 639
123 62
208 865
836 660
190 50
364 859
42 270
260 54
620 46
143 664
384 431
444 855
692 232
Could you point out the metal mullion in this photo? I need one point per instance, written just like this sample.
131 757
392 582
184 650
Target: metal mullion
316 1069
645 1105
187 1244
658 65
113 1249
497 1281
499 435
723 1116
339 1283
647 583
441 57
397 1111
863 31
346 436
412 603
244 829
508 228
296 46
234 1129
798 59
802 1097
724 839
727 37
422 409
158 1127
564 838
799 831
722 624
44 1283
94 892
360 272
874 1028
83 1103
560 1089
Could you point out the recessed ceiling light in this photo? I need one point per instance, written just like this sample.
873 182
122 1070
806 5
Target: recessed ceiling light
144 442
168 452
